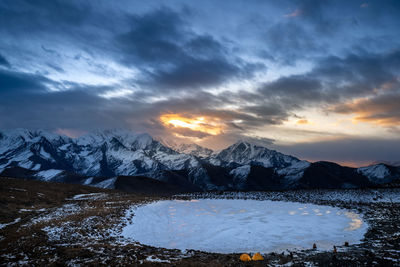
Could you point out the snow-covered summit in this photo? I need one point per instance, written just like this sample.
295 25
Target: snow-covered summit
112 153
29 135
379 173
194 149
244 153
101 153
188 148
125 137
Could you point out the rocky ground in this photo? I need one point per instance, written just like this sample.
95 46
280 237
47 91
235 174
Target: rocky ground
62 224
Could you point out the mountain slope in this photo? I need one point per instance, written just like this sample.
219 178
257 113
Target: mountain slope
189 149
380 173
99 154
243 153
99 158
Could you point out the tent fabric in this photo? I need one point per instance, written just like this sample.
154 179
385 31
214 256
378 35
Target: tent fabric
257 257
245 257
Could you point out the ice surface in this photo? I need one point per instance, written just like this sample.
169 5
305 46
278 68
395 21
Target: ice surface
228 226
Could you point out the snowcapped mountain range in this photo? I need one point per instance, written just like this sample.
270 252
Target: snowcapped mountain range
190 149
101 157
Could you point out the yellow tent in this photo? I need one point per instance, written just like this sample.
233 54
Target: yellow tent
245 257
257 257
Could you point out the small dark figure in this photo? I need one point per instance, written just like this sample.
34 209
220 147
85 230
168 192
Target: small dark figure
314 246
334 249
346 244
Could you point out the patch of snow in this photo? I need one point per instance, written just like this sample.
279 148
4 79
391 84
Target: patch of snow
47 175
109 183
18 189
245 153
90 196
88 181
2 225
153 258
241 172
294 171
46 155
192 149
343 195
36 167
58 213
240 175
24 210
374 172
65 147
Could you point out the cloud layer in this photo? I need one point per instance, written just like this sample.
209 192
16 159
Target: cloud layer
290 72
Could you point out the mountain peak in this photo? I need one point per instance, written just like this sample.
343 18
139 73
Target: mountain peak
245 145
188 148
126 137
194 149
244 152
110 153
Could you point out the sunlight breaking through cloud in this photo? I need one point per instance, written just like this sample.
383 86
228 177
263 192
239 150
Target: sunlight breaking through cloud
202 124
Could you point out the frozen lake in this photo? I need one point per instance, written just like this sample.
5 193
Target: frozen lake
228 226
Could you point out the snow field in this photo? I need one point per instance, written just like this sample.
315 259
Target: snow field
237 226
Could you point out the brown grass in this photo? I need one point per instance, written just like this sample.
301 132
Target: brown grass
86 237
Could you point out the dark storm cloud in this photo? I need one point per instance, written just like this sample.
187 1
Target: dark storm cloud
154 38
4 62
28 17
181 52
320 14
288 42
265 113
334 80
17 82
358 67
27 101
381 109
195 73
33 106
353 151
206 46
313 28
55 67
295 89
178 57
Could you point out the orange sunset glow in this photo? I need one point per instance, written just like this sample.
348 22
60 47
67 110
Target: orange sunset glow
202 124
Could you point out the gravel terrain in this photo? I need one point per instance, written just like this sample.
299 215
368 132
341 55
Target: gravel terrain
45 224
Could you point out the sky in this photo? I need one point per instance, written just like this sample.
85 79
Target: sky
316 79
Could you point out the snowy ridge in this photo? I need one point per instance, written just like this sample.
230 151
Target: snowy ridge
380 173
189 149
48 175
102 153
194 149
240 175
98 158
246 153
